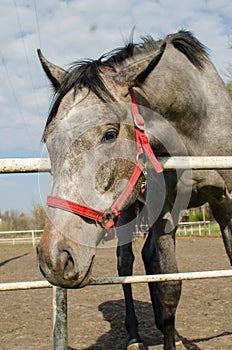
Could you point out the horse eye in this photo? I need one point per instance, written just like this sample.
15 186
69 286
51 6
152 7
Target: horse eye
110 136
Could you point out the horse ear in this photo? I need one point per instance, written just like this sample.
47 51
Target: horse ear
54 73
134 71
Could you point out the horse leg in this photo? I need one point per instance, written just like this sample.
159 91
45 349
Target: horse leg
211 187
125 268
159 257
227 238
222 211
125 258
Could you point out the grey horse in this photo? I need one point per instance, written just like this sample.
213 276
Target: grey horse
90 135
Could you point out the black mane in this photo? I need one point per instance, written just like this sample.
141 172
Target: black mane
86 73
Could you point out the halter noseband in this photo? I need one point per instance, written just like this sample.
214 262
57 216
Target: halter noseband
108 219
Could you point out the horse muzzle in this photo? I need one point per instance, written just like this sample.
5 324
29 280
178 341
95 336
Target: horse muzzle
63 271
63 264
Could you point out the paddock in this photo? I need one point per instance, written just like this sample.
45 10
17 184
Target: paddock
189 332
96 313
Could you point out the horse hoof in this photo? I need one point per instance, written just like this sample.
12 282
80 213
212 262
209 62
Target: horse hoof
180 346
136 346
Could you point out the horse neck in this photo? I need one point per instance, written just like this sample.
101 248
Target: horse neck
194 101
218 99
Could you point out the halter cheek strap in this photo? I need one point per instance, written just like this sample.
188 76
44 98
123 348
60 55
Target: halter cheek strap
143 146
108 219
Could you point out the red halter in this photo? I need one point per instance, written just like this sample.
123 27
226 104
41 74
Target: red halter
108 219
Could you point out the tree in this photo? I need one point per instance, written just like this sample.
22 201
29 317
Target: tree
15 221
22 222
229 88
228 72
38 217
19 221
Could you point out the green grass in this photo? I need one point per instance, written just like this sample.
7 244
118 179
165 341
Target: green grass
10 246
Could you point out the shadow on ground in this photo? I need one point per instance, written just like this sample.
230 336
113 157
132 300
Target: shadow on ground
2 263
113 311
116 338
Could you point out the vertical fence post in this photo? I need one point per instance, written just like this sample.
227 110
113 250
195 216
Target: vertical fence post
191 229
209 228
33 237
60 337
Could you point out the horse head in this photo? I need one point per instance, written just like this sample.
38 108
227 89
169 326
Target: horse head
90 138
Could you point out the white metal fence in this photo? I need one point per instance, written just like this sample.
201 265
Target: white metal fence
60 339
34 165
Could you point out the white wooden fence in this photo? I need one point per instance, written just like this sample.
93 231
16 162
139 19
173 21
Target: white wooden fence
197 228
23 236
60 339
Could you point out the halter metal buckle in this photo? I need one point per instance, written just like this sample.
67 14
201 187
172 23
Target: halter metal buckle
108 220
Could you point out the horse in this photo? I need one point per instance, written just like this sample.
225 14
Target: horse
109 120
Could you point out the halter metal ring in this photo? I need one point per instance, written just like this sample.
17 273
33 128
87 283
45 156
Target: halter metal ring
139 122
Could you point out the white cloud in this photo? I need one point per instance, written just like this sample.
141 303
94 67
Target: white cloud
69 30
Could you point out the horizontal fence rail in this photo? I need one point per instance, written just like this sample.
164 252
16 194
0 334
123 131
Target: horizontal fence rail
34 165
24 165
124 280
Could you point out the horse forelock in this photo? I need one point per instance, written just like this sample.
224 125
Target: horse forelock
86 73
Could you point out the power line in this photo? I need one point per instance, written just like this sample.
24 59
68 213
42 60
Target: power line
38 30
37 23
15 97
10 83
26 55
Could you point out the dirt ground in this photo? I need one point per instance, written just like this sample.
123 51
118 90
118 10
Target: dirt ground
96 313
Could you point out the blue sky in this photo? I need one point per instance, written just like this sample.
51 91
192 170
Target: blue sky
70 30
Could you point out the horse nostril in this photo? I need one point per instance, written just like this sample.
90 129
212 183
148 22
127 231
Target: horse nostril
69 267
41 271
38 262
